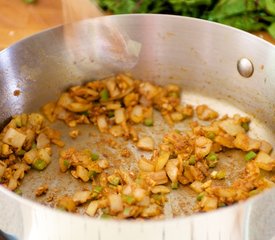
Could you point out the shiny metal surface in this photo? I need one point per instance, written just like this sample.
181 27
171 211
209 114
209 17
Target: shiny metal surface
245 67
198 55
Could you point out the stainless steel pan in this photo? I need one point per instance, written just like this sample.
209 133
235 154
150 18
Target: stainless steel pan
218 65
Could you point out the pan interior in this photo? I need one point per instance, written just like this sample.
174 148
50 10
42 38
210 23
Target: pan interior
180 202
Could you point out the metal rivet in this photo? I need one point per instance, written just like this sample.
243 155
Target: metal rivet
245 67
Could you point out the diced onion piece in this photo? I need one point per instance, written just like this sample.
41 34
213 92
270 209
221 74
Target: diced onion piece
3 167
225 192
120 115
81 197
79 107
197 186
127 190
172 171
265 146
160 189
130 99
42 141
115 203
67 204
176 116
12 183
102 123
202 147
36 120
264 161
206 113
116 131
225 140
113 106
162 160
92 208
45 154
209 203
30 156
65 100
112 87
246 143
148 90
103 163
14 138
48 111
82 173
146 165
6 150
145 202
146 143
151 211
139 194
231 127
159 177
137 114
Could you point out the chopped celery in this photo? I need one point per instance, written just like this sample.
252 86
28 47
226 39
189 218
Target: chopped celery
94 156
104 95
98 189
39 164
175 185
128 199
250 155
211 135
200 197
192 160
148 122
245 126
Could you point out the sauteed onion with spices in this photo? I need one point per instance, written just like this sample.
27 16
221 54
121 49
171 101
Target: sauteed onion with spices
117 105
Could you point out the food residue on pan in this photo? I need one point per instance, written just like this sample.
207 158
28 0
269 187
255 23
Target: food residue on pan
118 106
16 92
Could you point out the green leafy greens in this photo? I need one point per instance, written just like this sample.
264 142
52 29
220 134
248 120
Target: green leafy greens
248 15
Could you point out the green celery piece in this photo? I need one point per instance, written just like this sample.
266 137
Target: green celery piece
249 22
271 29
39 164
250 155
227 8
270 7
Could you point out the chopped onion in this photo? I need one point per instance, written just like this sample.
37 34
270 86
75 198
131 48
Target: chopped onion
160 189
92 208
139 194
146 165
42 141
30 156
172 171
231 127
82 173
116 131
115 203
162 160
81 197
264 161
120 115
137 114
3 167
14 138
102 123
146 143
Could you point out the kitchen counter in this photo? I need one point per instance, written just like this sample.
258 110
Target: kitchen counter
19 20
